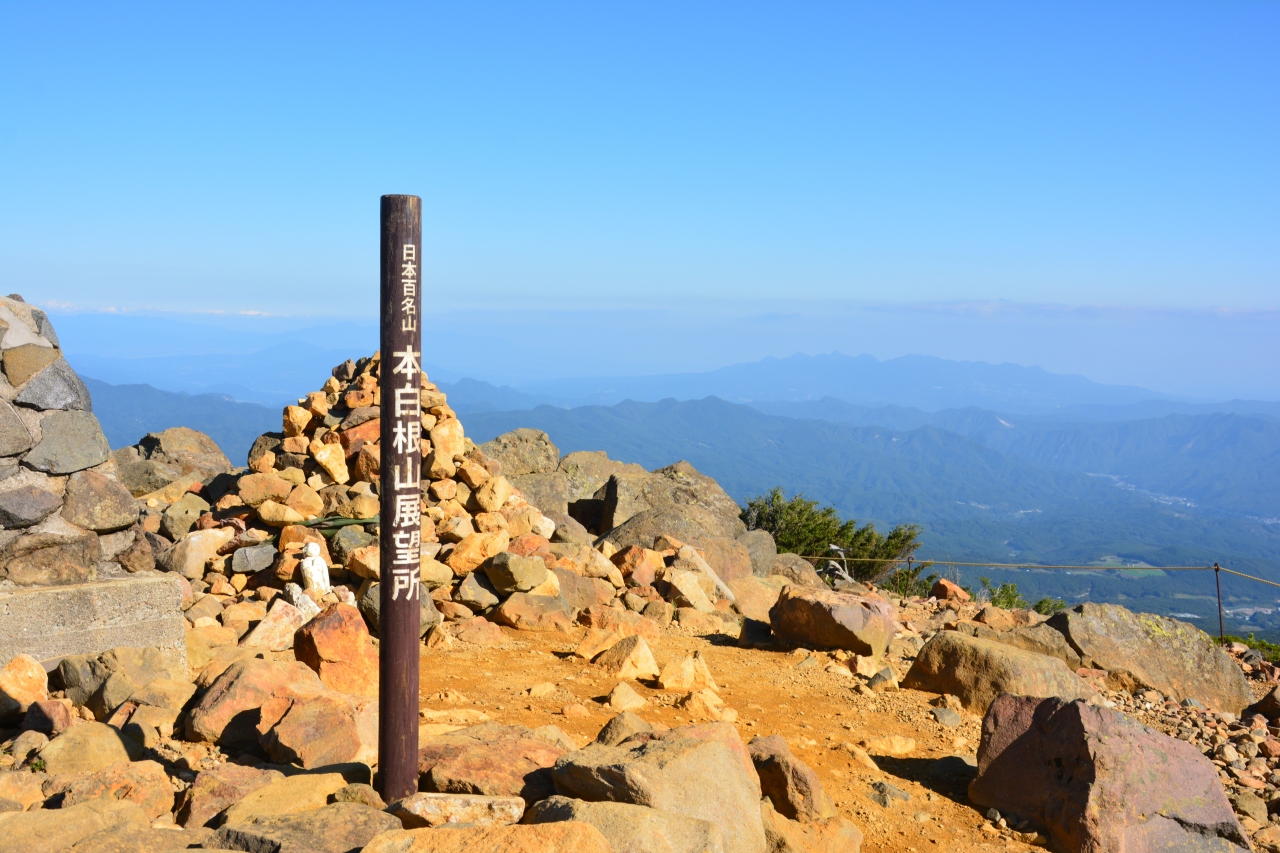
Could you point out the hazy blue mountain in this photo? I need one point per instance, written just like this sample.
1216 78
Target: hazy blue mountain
128 412
922 382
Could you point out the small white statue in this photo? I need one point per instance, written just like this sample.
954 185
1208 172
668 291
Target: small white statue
315 574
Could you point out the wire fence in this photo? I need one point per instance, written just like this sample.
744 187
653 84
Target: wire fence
909 562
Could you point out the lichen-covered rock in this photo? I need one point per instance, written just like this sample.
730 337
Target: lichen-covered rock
1094 779
1142 650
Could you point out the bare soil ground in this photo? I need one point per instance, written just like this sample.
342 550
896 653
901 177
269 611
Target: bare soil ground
815 710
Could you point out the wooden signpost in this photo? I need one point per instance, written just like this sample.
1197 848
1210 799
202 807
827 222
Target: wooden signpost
400 493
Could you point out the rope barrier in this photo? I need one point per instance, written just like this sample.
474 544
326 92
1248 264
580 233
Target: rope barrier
1215 568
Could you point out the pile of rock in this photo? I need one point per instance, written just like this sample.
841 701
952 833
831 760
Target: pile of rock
64 516
504 531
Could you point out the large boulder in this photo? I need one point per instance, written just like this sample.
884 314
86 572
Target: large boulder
796 569
636 829
88 748
1141 650
319 731
70 441
977 671
523 451
548 492
700 771
97 503
762 550
161 458
141 782
840 620
627 494
219 787
1093 779
689 523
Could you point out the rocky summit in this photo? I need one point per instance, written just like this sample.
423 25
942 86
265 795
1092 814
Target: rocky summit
610 661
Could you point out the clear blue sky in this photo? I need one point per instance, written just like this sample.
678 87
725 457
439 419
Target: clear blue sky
229 156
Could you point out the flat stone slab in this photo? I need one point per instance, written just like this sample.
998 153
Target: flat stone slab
50 623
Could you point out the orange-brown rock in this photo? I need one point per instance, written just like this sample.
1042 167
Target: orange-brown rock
337 646
141 782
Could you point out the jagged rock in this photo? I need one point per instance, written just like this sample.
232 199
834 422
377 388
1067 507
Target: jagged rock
630 657
977 671
70 441
813 617
55 387
1096 780
1043 639
512 573
97 503
476 592
548 492
519 838
672 772
626 495
523 451
631 827
1142 650
254 559
419 810
276 631
88 748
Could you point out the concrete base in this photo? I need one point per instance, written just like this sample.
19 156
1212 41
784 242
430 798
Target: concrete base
52 622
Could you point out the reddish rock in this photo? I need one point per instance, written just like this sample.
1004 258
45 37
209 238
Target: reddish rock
639 566
230 710
317 731
336 644
945 590
526 612
479 632
1094 779
49 716
531 545
728 557
822 617
788 782
977 671
493 760
623 622
216 789
141 782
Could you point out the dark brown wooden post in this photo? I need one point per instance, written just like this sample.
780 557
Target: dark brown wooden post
400 383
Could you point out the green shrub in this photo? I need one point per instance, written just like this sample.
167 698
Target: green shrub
1005 596
799 526
1049 606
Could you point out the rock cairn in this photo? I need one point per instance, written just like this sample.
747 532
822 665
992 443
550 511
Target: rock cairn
64 516
673 548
